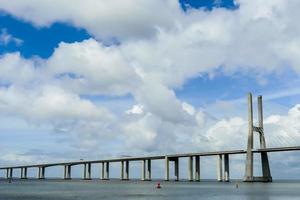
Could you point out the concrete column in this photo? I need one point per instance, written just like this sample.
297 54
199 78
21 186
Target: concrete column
43 173
102 171
25 173
7 173
88 175
84 171
39 172
167 169
107 171
261 123
190 168
69 172
143 170
197 168
219 168
65 171
149 170
226 168
11 172
122 170
176 169
266 172
249 155
127 170
22 173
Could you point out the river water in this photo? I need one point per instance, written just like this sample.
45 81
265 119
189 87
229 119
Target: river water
115 189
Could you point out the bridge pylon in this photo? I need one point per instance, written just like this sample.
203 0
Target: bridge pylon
266 173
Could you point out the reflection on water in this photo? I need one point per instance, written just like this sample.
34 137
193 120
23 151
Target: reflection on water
114 189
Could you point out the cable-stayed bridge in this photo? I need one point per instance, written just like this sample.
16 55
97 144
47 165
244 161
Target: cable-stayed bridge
193 159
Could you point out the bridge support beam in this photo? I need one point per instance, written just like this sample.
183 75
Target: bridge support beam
122 170
67 171
9 173
148 174
124 175
21 174
143 170
146 170
102 171
190 168
219 168
88 167
41 173
226 167
105 171
176 168
126 170
69 174
167 168
84 170
24 173
197 168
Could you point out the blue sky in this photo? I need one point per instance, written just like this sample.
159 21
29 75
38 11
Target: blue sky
85 81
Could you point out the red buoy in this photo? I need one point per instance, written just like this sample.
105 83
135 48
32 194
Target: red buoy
158 185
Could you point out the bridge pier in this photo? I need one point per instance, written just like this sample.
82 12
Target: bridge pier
226 167
148 174
67 171
124 176
9 173
88 171
143 170
102 171
197 168
84 171
176 168
219 168
190 168
41 173
24 173
146 170
105 171
126 170
167 168
122 170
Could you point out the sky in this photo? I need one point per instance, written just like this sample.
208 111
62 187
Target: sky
101 79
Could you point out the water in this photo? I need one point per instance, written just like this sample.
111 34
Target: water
115 189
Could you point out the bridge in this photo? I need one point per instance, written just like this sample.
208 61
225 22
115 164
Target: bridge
193 160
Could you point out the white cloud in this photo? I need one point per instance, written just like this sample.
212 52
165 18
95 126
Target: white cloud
14 69
89 67
6 38
136 109
103 19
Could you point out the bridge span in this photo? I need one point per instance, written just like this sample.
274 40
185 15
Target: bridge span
193 159
194 174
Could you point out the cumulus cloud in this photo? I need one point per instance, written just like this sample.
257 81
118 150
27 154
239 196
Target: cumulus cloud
91 68
103 19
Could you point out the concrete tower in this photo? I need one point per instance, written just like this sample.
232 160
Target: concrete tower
266 173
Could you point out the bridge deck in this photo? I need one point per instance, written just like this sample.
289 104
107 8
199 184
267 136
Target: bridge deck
295 148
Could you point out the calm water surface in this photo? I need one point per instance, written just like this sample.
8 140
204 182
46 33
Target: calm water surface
114 189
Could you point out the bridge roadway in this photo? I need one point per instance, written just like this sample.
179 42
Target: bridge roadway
159 157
